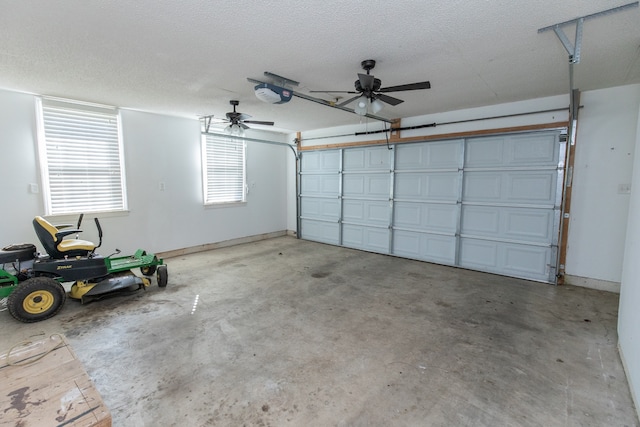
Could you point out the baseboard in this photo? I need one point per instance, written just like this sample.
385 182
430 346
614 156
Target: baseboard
223 244
587 282
631 385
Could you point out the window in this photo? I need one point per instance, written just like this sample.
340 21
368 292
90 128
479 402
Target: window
81 158
223 166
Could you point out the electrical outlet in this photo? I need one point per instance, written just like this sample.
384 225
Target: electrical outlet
33 188
624 188
161 186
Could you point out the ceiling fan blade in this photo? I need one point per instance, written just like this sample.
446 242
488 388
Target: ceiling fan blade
332 91
410 86
243 126
258 122
366 81
242 116
343 103
388 99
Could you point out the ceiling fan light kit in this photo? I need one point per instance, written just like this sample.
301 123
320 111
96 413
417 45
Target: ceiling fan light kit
371 96
376 106
362 106
234 130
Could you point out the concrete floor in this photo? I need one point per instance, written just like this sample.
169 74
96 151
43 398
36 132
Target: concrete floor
286 332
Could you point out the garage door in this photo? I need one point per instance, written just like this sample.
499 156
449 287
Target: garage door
489 203
320 206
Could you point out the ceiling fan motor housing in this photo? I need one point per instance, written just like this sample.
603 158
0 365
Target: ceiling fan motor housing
376 85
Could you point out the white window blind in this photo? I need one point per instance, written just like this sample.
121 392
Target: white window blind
80 157
223 165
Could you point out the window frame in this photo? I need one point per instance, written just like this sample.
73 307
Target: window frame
235 194
85 183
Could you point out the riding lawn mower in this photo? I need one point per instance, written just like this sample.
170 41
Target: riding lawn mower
31 283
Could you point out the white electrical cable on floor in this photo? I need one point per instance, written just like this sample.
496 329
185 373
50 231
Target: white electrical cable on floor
29 361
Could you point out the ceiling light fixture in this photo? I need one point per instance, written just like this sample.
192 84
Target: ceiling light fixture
234 129
376 106
361 106
365 105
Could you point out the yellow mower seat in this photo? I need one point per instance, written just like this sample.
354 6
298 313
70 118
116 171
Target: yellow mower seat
54 242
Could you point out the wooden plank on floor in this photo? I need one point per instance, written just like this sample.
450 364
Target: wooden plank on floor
42 383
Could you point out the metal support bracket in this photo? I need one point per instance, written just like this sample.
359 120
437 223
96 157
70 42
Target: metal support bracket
574 48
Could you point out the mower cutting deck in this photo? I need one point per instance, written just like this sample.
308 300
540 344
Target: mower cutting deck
31 284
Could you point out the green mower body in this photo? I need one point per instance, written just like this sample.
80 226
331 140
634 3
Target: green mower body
31 283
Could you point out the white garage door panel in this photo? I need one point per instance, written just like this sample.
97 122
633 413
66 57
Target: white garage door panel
424 246
484 152
366 212
320 161
320 185
515 187
327 209
505 258
532 150
366 185
367 238
531 225
439 186
325 232
512 151
429 155
528 187
527 261
366 159
521 224
479 254
442 218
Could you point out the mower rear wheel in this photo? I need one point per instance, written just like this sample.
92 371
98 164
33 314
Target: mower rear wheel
162 276
36 299
148 270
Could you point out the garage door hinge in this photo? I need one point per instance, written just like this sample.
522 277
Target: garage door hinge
563 138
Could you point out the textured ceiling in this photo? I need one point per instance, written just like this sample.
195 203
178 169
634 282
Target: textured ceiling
190 57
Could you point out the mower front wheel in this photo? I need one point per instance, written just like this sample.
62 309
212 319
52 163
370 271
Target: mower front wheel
36 299
162 276
148 270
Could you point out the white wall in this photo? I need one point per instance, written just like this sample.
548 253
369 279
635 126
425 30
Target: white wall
628 313
18 168
606 142
157 149
604 160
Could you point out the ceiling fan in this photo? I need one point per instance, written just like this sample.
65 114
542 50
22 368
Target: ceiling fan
237 121
370 94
